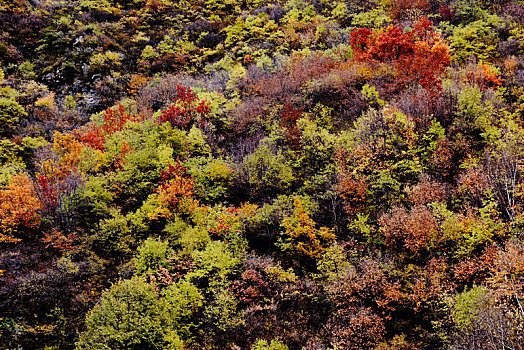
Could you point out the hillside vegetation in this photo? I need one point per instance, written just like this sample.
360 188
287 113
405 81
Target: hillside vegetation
261 174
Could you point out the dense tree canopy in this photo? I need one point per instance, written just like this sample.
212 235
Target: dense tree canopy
280 175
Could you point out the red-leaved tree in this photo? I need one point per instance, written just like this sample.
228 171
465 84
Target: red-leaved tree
187 110
417 56
113 120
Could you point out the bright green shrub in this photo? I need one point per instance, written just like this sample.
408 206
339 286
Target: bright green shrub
222 311
96 197
374 18
27 70
184 299
10 152
113 235
187 238
213 178
152 255
130 315
468 305
265 345
215 263
317 148
477 39
10 114
267 172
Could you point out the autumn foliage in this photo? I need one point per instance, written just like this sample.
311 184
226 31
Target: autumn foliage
19 207
262 175
187 110
403 8
176 192
417 56
301 237
113 120
485 77
58 175
415 231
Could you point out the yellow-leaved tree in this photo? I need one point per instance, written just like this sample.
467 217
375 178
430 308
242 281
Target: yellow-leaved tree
301 239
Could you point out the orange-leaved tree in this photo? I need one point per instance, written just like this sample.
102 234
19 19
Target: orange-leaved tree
19 206
68 149
176 193
58 177
485 77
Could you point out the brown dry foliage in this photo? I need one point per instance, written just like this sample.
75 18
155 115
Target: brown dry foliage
415 231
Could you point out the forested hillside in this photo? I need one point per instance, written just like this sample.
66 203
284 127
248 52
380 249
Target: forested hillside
262 174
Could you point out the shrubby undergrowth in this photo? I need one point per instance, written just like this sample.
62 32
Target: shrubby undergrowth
291 174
